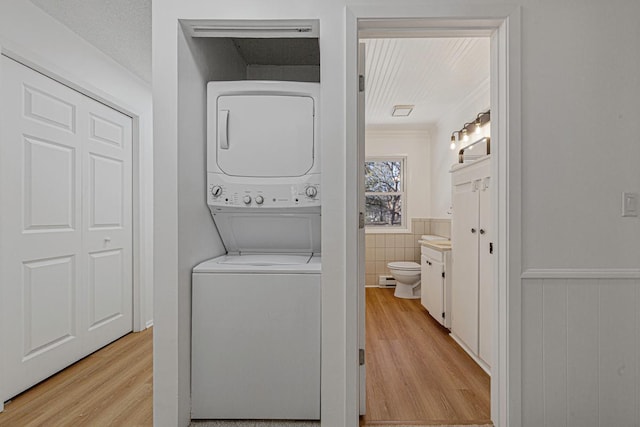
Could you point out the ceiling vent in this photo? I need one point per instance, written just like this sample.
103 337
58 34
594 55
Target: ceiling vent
402 110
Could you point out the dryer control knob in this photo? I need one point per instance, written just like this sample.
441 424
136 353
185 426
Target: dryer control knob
246 200
311 192
259 200
216 191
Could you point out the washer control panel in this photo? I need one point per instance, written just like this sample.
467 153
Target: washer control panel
258 195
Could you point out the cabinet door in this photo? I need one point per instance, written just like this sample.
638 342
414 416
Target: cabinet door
436 294
432 296
464 240
485 274
424 288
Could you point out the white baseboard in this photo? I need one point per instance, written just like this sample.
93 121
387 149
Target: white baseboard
475 358
149 324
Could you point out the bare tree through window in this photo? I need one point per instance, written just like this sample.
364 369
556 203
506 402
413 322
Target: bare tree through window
384 191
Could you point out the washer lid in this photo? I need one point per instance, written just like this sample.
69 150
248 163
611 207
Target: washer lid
312 265
404 265
265 259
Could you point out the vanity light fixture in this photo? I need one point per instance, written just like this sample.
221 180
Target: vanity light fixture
402 110
474 126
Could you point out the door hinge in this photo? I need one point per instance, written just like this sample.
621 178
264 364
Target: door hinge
361 220
443 274
361 83
361 356
443 314
490 247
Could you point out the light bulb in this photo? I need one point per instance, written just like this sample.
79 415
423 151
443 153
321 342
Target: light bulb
453 145
465 136
478 128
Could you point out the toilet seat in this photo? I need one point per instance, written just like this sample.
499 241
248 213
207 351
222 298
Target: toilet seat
404 265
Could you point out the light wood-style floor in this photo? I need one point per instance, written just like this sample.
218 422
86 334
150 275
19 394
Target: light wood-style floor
111 387
416 373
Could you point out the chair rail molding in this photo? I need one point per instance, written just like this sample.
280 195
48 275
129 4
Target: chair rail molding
581 273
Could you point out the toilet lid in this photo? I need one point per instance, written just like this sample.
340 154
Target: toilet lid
404 265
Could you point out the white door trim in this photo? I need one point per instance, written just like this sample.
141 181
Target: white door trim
503 21
2 338
67 78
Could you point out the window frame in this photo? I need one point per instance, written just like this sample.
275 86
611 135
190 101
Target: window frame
403 195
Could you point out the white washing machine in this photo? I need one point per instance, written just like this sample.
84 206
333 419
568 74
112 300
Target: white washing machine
256 310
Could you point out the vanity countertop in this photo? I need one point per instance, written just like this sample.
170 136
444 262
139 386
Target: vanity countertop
438 245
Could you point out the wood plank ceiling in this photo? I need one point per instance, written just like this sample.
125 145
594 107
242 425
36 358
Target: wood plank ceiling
436 75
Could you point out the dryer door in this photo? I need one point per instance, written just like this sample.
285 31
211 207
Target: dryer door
265 135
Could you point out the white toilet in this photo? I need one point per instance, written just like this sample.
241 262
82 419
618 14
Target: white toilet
407 275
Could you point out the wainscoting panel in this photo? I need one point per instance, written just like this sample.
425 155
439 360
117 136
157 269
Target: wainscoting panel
581 349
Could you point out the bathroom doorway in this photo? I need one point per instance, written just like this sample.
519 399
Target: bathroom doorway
418 90
497 31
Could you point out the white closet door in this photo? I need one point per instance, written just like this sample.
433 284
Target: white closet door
59 288
107 236
464 261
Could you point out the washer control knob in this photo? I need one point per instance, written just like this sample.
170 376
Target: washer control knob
311 192
259 200
246 200
216 191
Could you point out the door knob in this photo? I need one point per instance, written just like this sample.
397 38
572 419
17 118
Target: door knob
473 230
482 231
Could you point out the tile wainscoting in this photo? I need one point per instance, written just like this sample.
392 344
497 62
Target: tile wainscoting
382 249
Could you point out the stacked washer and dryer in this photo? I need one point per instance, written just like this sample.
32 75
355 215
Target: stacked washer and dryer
256 310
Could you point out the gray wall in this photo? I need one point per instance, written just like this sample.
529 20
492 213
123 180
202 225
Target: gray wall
298 73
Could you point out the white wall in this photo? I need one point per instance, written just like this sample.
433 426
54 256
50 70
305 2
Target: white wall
29 32
415 146
199 61
442 157
579 103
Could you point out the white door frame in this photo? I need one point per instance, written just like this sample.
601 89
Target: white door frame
435 18
67 78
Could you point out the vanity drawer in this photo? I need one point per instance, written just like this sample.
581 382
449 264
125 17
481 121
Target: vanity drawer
432 253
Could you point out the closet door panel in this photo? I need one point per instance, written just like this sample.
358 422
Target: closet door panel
464 240
40 225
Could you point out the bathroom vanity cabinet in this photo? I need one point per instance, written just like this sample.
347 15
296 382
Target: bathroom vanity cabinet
472 262
436 280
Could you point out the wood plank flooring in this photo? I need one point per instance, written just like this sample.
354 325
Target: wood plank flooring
111 387
416 373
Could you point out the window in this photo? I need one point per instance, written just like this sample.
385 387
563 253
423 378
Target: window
384 192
